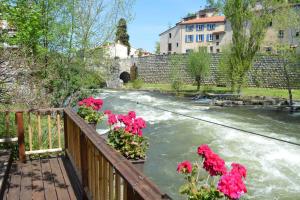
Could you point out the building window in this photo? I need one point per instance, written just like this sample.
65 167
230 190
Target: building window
211 27
200 27
170 35
281 34
169 47
297 34
200 38
211 49
218 50
209 37
217 36
177 44
217 43
189 50
189 38
189 28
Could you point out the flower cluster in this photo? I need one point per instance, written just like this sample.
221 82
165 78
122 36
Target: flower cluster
89 109
95 104
184 167
130 123
231 183
213 164
126 134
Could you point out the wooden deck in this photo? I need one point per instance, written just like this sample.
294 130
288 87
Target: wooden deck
42 178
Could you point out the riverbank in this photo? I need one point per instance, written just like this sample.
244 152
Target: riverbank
222 96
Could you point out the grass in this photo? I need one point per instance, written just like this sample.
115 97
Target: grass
246 92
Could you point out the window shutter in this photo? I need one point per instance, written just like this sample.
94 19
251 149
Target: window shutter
197 38
207 37
202 38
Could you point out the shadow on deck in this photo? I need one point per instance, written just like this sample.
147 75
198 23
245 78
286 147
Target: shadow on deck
42 178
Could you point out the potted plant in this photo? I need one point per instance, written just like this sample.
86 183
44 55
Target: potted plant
230 184
89 110
126 136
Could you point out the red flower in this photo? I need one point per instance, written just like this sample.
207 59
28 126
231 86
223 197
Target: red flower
214 165
107 112
204 150
184 167
112 119
131 114
239 169
232 185
95 104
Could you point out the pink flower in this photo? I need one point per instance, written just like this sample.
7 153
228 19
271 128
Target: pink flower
132 114
214 165
107 112
95 104
184 167
112 119
232 185
239 169
204 150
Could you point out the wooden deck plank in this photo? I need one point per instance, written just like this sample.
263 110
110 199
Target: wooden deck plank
15 183
48 180
66 178
26 186
41 179
37 180
59 182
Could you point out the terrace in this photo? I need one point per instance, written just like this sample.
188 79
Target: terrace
61 157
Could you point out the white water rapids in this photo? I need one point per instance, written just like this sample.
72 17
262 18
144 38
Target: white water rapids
273 167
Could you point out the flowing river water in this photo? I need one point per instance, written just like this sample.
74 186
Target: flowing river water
273 166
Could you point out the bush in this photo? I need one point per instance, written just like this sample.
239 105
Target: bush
137 84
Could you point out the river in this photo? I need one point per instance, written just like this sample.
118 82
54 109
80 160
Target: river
273 166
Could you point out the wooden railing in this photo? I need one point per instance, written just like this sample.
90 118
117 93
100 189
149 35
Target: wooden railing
40 128
104 173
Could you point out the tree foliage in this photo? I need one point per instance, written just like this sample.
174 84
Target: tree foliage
59 40
122 35
199 64
249 21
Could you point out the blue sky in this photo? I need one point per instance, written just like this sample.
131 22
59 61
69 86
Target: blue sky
152 17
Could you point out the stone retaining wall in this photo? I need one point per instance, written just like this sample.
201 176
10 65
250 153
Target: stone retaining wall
267 71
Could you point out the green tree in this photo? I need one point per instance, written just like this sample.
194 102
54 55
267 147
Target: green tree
249 23
199 64
57 39
122 35
288 20
157 48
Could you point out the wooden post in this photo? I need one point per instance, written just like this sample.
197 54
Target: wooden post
66 130
21 136
84 164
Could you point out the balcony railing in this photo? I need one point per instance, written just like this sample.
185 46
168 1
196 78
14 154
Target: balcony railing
102 172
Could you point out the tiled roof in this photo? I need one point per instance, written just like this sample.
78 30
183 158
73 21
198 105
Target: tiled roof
213 19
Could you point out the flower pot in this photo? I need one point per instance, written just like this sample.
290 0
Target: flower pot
93 124
138 164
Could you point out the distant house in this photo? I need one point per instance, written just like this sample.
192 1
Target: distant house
118 50
207 28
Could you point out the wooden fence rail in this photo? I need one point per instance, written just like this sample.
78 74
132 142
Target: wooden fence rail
104 173
40 128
